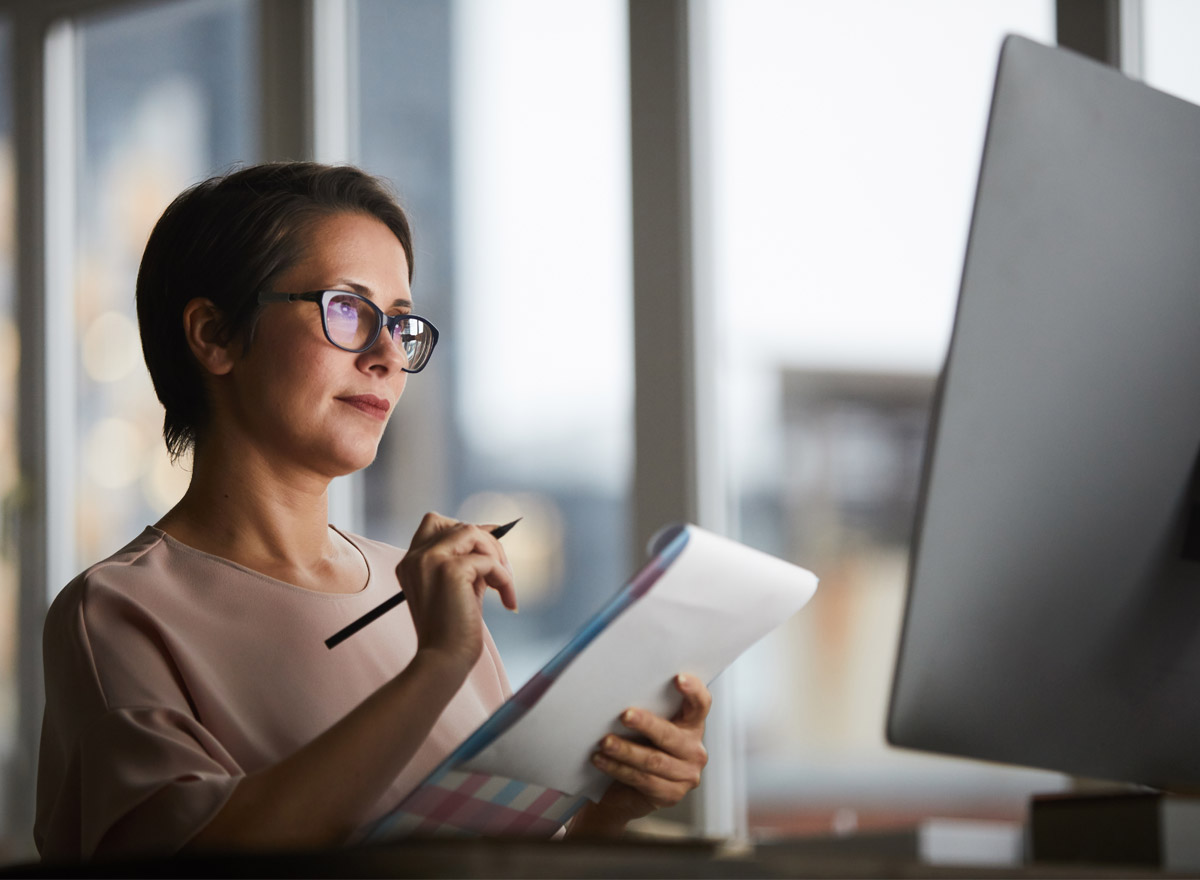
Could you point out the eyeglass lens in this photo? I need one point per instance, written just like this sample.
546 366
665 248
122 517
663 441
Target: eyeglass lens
352 323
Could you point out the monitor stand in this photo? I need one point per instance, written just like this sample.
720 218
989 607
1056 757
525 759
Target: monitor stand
1145 828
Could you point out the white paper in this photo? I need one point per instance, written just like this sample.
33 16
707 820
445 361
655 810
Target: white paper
716 600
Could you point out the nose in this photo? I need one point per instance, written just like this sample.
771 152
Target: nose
386 354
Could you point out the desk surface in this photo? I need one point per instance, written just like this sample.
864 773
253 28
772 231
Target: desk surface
522 858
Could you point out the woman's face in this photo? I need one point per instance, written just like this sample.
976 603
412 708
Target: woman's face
293 396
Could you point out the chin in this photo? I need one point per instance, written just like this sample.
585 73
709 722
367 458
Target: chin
346 461
338 449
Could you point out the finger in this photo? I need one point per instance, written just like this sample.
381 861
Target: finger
452 537
657 790
684 743
467 551
467 538
432 524
651 761
489 530
697 701
505 586
434 528
484 573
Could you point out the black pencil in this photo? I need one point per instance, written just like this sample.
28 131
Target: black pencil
384 607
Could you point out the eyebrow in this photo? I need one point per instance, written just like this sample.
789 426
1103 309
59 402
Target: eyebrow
363 290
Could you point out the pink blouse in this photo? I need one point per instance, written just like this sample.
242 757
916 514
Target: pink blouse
172 673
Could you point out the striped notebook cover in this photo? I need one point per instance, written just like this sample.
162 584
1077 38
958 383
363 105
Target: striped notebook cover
458 803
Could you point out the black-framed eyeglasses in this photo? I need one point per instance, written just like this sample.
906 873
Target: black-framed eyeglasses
353 323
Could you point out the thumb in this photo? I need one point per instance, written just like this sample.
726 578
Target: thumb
696 701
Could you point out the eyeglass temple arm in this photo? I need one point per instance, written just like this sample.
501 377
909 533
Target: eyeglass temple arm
288 297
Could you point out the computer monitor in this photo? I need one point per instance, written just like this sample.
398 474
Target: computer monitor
1053 612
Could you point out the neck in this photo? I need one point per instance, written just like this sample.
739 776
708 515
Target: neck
247 508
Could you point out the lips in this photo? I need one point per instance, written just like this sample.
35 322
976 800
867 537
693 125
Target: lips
369 404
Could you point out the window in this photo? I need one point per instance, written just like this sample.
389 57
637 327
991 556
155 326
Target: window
845 141
1170 29
166 100
9 463
517 183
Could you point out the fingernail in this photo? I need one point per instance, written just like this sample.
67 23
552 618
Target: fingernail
609 743
598 759
630 716
683 681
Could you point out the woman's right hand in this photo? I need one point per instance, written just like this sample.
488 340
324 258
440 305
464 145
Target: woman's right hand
323 790
445 573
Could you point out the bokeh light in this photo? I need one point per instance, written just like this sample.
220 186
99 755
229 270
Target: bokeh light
114 453
534 547
111 347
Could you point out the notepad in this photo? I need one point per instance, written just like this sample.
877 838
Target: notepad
697 604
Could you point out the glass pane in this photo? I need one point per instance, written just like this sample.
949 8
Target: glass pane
9 475
846 140
1170 30
167 99
518 187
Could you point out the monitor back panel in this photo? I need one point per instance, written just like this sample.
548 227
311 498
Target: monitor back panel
1051 620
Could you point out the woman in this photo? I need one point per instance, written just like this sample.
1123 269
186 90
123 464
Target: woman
191 702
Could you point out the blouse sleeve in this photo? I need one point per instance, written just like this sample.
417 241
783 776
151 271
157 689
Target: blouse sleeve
125 768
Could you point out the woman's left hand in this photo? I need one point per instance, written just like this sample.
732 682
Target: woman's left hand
653 774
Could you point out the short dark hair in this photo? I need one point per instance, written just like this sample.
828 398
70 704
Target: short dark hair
226 239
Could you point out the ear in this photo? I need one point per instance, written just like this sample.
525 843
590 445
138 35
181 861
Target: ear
202 325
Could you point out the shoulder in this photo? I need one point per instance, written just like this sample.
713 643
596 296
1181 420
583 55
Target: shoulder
139 575
103 626
108 578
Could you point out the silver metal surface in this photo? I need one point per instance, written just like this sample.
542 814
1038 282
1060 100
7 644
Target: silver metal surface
1051 620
